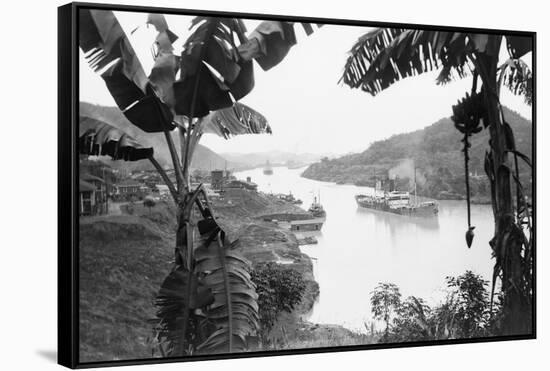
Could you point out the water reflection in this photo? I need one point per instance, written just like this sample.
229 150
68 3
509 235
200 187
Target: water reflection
398 223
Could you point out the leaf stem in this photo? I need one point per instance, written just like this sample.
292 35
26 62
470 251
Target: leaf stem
164 177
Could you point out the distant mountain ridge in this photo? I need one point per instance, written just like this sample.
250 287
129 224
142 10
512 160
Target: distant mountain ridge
255 159
436 152
204 158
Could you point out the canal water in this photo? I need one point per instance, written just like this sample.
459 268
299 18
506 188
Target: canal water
358 248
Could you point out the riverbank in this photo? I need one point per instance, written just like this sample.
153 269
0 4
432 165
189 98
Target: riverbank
124 259
441 187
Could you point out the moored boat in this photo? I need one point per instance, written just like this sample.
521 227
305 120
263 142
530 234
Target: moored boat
390 200
290 198
398 203
268 170
316 209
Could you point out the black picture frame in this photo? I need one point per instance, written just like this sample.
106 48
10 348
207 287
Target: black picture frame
68 254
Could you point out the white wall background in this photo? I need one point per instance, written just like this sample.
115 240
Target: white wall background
28 132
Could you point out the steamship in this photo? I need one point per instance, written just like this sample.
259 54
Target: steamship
386 198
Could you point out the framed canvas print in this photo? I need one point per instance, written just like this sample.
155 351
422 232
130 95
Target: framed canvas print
237 185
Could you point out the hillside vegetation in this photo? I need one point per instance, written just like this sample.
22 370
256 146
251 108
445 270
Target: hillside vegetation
436 151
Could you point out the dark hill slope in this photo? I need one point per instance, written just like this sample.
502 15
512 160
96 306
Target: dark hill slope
436 152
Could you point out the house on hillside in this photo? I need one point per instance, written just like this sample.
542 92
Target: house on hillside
99 204
86 198
217 177
241 184
130 189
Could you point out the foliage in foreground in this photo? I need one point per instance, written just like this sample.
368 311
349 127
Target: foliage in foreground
279 290
465 313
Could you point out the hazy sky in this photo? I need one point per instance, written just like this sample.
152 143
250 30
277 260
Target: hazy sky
301 98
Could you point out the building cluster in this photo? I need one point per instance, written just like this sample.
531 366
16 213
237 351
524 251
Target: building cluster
99 185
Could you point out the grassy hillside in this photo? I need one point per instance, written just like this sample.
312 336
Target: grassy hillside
204 158
436 153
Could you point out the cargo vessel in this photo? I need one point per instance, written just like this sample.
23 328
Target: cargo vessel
386 198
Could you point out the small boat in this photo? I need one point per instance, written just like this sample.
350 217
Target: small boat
268 170
316 209
290 198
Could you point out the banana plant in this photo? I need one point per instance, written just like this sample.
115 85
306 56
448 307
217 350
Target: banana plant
208 302
385 56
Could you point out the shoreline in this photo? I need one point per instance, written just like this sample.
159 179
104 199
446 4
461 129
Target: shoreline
485 200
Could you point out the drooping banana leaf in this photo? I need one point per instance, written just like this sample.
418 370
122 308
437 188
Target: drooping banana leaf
269 43
236 120
171 303
97 138
108 49
213 74
163 73
160 24
518 46
217 299
234 312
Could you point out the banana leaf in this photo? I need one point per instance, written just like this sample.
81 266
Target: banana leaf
234 311
171 303
386 55
269 43
97 138
213 75
236 120
107 48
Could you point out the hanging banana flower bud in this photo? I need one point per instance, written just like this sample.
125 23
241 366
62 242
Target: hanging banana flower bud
468 114
470 236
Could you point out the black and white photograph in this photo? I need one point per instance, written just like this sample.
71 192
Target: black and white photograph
252 184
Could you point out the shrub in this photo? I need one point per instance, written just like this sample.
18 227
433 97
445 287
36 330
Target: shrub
465 313
279 290
150 203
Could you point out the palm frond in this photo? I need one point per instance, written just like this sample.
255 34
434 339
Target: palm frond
97 138
386 55
517 77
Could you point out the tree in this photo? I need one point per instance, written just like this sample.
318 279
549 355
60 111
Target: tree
470 298
279 290
149 202
208 302
386 55
412 321
385 301
465 313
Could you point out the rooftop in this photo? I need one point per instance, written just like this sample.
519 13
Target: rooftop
84 186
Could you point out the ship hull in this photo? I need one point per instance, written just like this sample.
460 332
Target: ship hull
425 211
